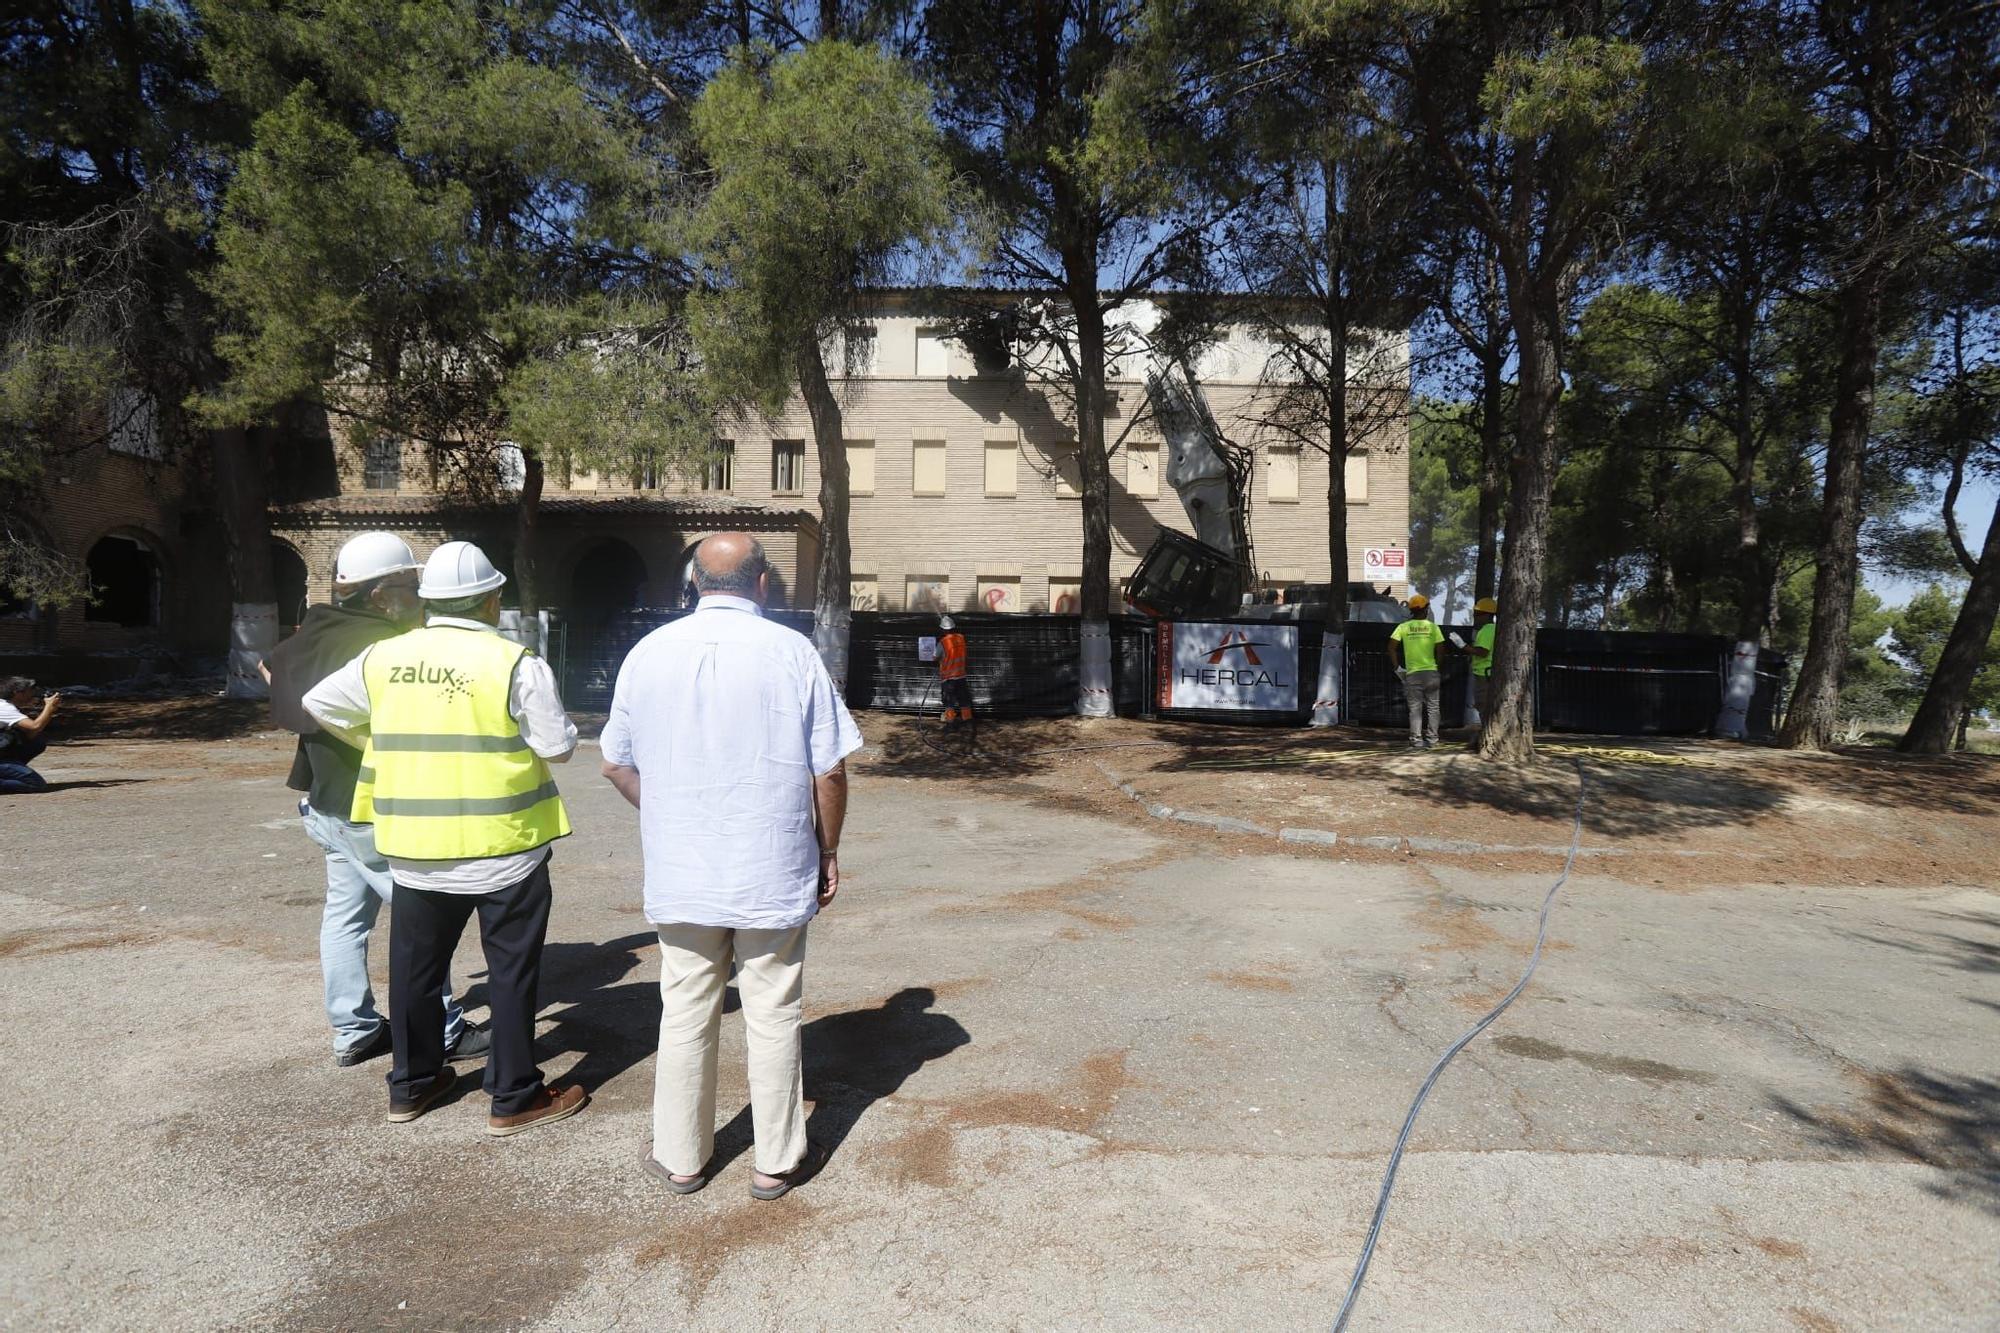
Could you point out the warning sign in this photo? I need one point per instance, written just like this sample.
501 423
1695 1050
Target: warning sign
1386 562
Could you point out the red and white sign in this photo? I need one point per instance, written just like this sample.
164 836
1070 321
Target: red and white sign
1386 562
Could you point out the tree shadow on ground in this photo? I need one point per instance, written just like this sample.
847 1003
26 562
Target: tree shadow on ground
188 718
919 747
1966 784
1627 794
855 1059
1967 951
1947 1121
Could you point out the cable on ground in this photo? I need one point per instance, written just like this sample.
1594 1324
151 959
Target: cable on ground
1409 1121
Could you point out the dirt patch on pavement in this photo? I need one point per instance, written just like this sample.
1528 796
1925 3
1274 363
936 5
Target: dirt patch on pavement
1652 1071
923 1156
1273 980
42 943
1100 1081
703 1245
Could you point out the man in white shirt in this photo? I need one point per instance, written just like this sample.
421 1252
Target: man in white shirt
727 734
21 728
460 726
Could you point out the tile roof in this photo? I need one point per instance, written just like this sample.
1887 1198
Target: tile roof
377 504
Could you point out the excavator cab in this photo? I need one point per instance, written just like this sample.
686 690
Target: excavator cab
1180 578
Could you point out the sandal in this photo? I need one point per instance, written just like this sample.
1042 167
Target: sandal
655 1168
807 1168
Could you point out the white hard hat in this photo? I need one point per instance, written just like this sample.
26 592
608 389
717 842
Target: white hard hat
946 622
371 555
458 569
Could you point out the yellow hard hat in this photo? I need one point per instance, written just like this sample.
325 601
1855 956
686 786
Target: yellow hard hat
1418 601
1488 605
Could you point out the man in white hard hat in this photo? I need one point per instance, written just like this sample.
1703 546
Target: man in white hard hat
460 726
374 598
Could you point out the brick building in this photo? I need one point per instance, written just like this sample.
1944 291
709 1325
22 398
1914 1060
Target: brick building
964 497
964 490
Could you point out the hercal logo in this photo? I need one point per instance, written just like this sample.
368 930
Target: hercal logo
1249 674
1237 640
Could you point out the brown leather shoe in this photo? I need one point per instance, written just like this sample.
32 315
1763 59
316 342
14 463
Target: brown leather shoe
552 1103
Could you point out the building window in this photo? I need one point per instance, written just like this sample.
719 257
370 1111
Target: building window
927 472
133 422
851 354
1000 456
1282 476
382 464
1068 469
1065 594
719 472
861 467
864 592
1000 592
124 583
933 354
788 467
646 476
1142 470
927 592
1357 477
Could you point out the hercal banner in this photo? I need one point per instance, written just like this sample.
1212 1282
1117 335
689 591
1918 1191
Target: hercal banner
1254 668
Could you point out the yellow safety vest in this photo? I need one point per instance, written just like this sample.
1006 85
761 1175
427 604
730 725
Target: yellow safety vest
446 774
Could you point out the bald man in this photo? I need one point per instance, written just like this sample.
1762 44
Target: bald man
726 733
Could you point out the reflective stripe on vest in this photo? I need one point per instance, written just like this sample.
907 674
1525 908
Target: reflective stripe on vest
447 774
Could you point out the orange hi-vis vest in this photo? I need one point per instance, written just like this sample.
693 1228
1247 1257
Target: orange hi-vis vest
951 660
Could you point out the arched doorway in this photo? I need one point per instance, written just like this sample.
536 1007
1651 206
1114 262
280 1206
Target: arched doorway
124 582
288 581
606 579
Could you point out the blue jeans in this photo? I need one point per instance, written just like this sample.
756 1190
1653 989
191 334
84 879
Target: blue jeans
357 884
19 779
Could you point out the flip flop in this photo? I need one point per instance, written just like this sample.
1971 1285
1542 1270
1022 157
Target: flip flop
807 1168
653 1167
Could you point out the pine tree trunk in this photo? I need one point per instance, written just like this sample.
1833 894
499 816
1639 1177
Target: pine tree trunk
1339 563
1815 707
1094 691
1509 734
1944 706
527 535
1492 476
239 459
833 615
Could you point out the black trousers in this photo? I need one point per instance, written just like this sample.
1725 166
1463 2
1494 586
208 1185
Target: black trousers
424 929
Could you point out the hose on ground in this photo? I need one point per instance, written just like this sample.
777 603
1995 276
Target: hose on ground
1410 1120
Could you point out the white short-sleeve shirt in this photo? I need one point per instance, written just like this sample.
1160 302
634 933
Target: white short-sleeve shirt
728 717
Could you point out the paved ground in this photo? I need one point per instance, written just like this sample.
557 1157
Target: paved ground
1080 1068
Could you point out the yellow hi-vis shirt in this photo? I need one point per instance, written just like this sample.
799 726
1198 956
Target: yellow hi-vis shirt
1483 638
1420 640
447 774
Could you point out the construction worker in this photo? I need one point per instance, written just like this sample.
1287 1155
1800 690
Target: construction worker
1483 636
1413 647
953 686
374 598
460 726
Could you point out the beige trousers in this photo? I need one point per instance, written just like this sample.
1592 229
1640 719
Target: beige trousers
770 974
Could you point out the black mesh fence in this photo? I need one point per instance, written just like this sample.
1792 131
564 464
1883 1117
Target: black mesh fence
1373 696
1027 666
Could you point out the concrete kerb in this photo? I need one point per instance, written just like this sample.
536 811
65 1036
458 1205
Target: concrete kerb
1316 837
